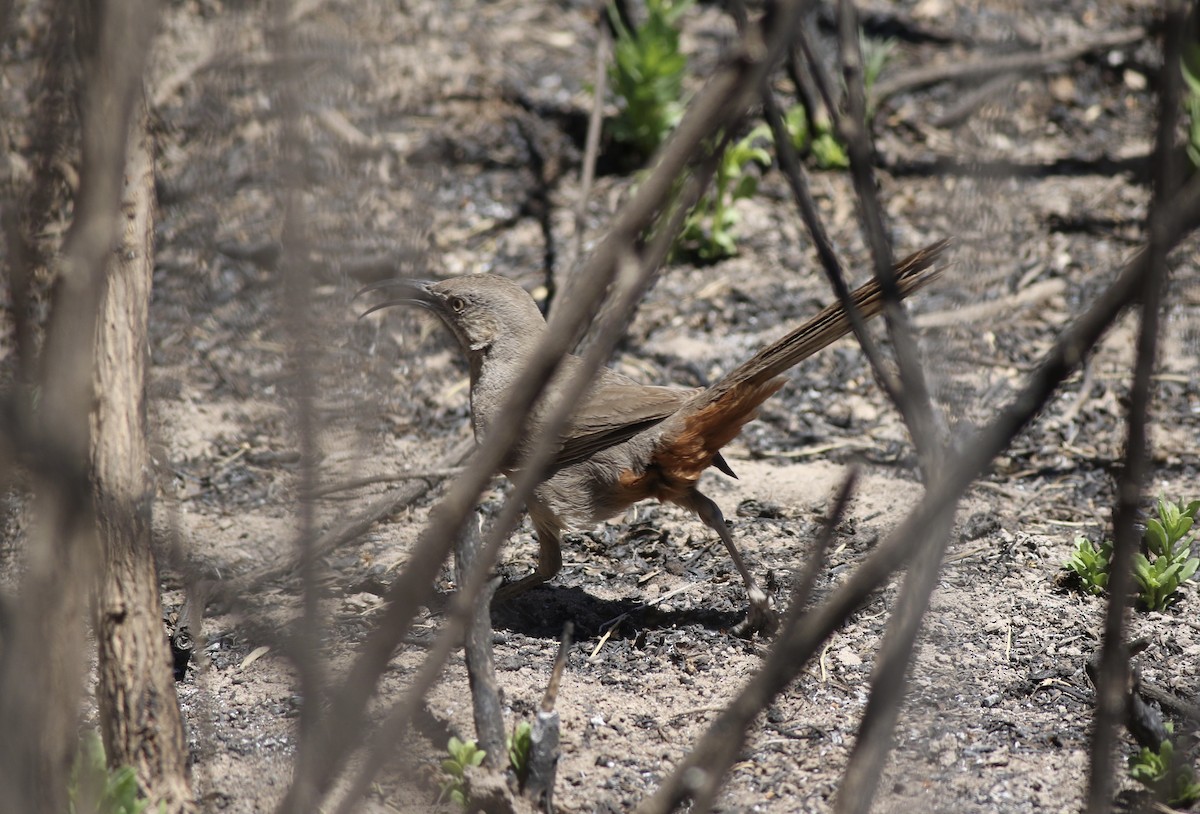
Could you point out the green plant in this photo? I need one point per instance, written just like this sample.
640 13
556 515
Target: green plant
94 789
520 742
1191 96
1171 779
828 152
821 143
875 54
708 230
1165 538
1159 578
815 134
463 754
646 75
1090 564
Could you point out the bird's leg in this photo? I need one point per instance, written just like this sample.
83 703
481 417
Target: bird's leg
761 616
549 537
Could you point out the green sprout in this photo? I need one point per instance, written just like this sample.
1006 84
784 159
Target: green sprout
1090 564
1160 578
520 743
1171 779
95 789
1191 96
708 230
876 54
815 135
646 76
467 754
463 755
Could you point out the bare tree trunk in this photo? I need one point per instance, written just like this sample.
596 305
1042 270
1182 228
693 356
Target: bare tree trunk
139 711
42 664
41 659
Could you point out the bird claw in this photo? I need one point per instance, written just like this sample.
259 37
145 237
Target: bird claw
761 617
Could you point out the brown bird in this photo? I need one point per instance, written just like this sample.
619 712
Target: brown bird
626 441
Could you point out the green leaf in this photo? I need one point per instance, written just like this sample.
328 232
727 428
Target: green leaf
1191 65
1183 525
1189 569
796 123
646 76
1156 537
519 745
746 186
829 154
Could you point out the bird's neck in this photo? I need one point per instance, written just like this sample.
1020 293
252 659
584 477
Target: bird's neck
494 370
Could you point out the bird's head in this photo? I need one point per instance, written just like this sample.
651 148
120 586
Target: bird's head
481 310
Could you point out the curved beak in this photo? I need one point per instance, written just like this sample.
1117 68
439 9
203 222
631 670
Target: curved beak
412 292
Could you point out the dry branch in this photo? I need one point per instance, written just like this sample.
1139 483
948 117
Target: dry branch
988 67
481 662
1113 675
915 404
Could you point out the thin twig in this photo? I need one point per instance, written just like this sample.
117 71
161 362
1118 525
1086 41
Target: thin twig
544 734
592 145
971 100
481 661
550 697
415 474
1113 677
959 71
815 562
789 163
305 650
915 405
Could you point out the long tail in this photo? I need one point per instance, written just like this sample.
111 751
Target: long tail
912 274
697 431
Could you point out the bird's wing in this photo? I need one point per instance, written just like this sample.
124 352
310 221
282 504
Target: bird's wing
616 411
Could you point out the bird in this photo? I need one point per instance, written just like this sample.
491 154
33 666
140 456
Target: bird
625 441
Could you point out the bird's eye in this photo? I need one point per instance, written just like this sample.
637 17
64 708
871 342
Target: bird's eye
457 304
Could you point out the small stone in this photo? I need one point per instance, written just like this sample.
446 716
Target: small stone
849 658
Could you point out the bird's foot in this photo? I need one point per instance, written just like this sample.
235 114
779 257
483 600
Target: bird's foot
508 590
761 616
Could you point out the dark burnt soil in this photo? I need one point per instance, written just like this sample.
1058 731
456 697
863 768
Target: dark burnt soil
442 138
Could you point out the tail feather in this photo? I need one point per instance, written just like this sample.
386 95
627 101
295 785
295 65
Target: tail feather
831 324
694 434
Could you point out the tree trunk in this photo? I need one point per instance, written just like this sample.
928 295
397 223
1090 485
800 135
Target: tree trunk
139 711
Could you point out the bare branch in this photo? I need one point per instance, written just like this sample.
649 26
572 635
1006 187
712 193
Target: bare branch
915 404
988 67
1113 678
